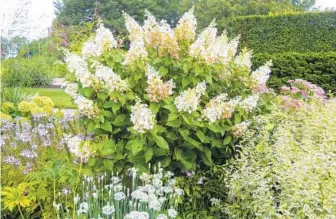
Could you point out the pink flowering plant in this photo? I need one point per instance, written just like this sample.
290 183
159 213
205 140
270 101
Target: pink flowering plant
172 97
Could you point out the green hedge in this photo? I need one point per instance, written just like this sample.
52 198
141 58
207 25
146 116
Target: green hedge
318 68
299 32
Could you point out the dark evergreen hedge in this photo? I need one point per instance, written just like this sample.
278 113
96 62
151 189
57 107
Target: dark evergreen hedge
300 32
318 68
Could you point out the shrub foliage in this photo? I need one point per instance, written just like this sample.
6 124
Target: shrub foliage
318 68
299 32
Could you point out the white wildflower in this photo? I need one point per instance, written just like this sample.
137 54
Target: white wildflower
172 213
154 204
86 107
71 89
104 39
137 215
90 49
140 195
161 216
239 129
244 59
119 196
108 209
83 207
215 201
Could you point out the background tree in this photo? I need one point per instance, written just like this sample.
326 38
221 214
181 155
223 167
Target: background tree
74 12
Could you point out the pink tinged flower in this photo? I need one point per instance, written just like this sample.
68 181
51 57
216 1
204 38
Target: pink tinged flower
295 90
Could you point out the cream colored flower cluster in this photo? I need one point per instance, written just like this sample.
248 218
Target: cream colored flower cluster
189 100
103 40
112 81
142 117
157 89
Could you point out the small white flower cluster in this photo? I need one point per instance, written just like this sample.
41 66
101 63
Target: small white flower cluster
262 74
79 147
213 49
249 103
137 50
142 117
86 107
157 89
103 40
137 215
244 59
71 89
189 100
239 129
186 27
112 81
219 108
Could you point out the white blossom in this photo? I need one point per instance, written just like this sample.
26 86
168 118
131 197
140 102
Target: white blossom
104 39
249 103
189 100
261 75
142 117
137 215
108 209
186 27
161 216
172 213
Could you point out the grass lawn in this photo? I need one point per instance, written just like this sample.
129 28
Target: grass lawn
59 97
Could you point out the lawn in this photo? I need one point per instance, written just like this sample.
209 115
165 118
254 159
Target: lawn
60 98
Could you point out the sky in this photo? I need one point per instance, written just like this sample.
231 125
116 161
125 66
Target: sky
37 15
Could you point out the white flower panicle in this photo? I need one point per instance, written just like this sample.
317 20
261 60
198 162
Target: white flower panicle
186 27
136 32
157 89
189 100
262 74
218 108
249 103
71 89
111 80
79 147
104 39
244 59
86 107
90 49
151 30
142 117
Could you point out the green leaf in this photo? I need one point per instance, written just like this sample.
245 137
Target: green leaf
175 124
136 145
193 142
200 135
154 107
106 126
185 82
109 148
163 71
108 164
227 140
161 142
88 92
165 161
198 69
237 118
115 107
172 117
149 154
107 114
172 108
108 104
91 126
102 96
91 161
184 133
216 128
119 120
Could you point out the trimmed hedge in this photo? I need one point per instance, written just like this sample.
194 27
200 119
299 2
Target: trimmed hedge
299 32
317 68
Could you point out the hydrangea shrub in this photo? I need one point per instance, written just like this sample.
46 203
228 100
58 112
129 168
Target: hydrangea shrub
173 97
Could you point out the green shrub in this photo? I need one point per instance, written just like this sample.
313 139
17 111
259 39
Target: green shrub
171 98
318 68
36 71
299 32
287 166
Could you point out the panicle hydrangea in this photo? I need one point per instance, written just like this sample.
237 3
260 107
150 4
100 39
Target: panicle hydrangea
86 107
218 108
90 49
262 74
151 30
136 32
71 89
79 147
244 59
239 129
111 80
104 39
249 103
189 99
142 117
157 89
137 51
186 27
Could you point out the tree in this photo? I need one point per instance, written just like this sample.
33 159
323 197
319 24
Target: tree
74 12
